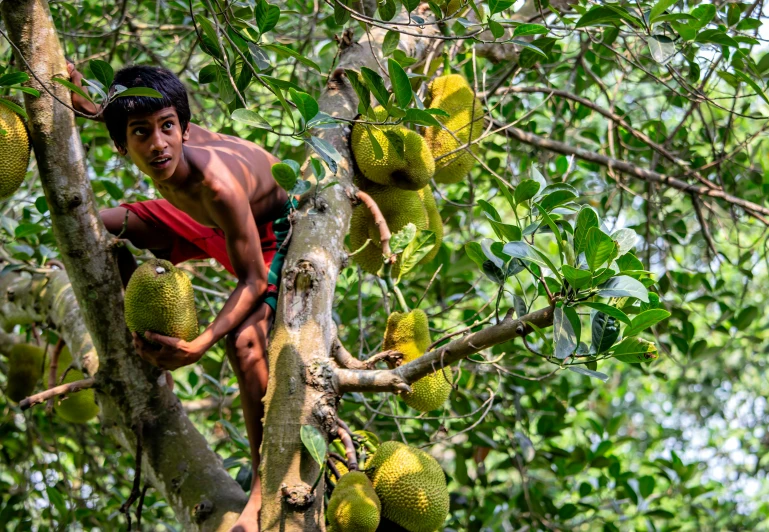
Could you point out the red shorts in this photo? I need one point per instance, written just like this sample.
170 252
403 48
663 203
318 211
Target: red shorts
189 239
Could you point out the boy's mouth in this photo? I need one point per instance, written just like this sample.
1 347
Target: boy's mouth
160 162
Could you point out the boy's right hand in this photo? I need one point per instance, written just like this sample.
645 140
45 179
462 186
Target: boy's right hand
78 102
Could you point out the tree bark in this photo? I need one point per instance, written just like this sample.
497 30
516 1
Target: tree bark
176 457
300 389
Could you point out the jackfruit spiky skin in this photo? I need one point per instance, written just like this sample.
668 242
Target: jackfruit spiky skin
411 486
78 407
410 171
409 334
399 207
25 367
434 222
452 93
14 152
354 506
159 298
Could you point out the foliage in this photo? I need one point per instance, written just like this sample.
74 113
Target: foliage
558 433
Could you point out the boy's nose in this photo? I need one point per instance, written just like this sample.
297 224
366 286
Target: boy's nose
158 142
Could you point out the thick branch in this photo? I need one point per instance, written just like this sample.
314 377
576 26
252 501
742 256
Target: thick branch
350 380
635 171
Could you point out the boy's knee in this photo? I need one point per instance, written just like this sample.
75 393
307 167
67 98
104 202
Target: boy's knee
247 346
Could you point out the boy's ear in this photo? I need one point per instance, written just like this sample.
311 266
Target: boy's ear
121 149
186 134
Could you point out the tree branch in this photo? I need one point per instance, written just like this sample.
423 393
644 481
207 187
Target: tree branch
63 389
350 380
753 209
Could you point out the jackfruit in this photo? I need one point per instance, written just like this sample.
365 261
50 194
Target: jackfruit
14 152
78 407
407 162
409 334
354 506
452 93
411 486
399 207
25 367
434 222
159 298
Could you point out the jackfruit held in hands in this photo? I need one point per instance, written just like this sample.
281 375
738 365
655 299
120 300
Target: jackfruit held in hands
78 407
399 207
452 93
159 298
411 486
14 152
409 334
354 506
25 367
406 162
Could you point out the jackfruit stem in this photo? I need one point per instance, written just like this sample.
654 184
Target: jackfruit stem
64 389
391 285
379 221
349 447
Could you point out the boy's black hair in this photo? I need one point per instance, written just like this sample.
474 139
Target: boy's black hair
118 111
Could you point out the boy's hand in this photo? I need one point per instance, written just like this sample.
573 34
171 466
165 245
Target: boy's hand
78 102
172 353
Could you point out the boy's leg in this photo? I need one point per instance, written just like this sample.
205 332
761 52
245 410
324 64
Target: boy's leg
247 351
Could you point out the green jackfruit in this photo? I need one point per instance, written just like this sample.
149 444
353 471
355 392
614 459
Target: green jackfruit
159 298
399 207
411 486
78 407
407 162
14 152
409 334
452 93
354 506
25 367
434 222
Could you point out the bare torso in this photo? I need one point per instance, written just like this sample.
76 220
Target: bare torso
218 161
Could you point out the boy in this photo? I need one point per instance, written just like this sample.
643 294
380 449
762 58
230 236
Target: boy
220 201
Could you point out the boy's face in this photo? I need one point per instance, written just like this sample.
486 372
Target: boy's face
154 142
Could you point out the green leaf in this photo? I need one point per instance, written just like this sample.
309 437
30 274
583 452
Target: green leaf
525 190
475 252
102 71
284 175
605 332
279 48
13 78
564 339
266 16
753 85
420 117
341 15
553 199
305 103
496 29
137 91
646 485
598 15
207 74
71 86
635 350
250 118
422 244
717 37
375 84
410 5
208 38
529 29
497 6
659 8
614 312
326 152
599 249
532 53
400 83
364 95
704 13
403 238
626 239
586 220
14 107
390 42
315 443
624 286
387 9
589 373
577 278
645 320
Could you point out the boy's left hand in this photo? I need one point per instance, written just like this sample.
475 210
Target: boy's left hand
172 353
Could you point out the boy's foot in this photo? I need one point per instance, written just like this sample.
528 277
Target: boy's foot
249 519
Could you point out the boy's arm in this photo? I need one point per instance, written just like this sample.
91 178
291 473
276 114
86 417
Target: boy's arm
232 213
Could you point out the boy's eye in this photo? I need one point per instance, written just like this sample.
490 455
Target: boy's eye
139 131
168 125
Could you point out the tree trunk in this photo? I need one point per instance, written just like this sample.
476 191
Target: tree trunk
300 390
176 457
